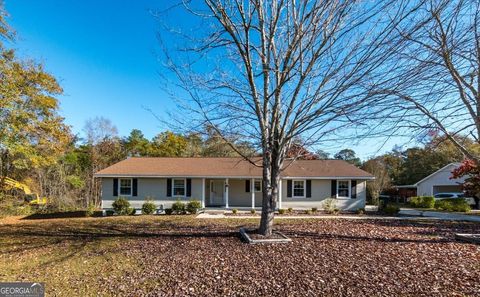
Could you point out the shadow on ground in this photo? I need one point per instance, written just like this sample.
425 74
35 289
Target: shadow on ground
61 215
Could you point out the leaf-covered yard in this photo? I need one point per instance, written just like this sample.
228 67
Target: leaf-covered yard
187 256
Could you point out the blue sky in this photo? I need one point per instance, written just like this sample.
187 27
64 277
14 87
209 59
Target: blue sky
103 53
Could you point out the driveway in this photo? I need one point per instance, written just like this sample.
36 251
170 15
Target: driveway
439 215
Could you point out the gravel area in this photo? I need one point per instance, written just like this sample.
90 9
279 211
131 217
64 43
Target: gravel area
171 256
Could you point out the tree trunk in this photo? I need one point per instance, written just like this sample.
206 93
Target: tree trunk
271 181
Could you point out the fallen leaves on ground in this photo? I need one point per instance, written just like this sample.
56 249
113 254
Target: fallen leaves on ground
178 256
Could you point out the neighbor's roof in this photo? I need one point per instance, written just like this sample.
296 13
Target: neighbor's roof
227 167
444 168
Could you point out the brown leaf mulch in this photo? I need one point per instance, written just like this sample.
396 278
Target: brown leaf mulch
178 256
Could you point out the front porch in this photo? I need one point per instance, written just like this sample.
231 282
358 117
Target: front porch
227 193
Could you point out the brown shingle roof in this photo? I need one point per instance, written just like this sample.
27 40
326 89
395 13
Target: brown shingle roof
226 167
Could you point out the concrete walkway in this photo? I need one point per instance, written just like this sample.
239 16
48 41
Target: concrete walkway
448 216
405 214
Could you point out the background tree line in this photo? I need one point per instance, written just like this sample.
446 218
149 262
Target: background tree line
403 166
68 180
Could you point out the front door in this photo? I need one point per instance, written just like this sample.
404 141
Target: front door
216 192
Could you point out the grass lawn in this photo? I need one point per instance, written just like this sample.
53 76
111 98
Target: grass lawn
169 255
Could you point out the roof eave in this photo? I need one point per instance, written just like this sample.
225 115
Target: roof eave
230 176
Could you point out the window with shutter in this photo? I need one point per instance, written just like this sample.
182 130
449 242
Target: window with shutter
354 189
289 188
178 187
343 189
298 189
115 187
247 185
125 187
258 186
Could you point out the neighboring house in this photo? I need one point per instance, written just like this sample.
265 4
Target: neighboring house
231 183
440 182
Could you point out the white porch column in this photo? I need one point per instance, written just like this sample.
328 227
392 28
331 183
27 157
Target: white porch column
252 190
280 194
226 193
203 193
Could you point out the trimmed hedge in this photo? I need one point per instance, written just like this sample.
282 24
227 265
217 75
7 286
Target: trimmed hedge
121 206
148 207
179 207
422 202
453 204
391 209
193 206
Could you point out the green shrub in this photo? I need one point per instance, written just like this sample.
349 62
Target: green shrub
281 211
414 201
168 211
109 213
314 209
428 202
90 210
453 204
308 211
148 207
179 207
121 206
15 208
391 209
422 202
329 205
252 211
193 206
360 211
290 210
133 211
234 211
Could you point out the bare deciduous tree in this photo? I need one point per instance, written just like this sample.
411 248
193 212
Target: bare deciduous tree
431 81
269 72
379 169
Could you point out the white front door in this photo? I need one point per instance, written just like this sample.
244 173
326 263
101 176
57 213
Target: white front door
217 188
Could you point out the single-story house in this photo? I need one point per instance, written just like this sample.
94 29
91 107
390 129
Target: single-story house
440 182
231 183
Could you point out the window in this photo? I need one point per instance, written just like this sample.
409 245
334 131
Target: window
298 188
258 186
178 187
125 186
343 189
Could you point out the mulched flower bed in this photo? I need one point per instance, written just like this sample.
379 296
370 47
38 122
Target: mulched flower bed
298 213
183 256
242 214
252 236
255 236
